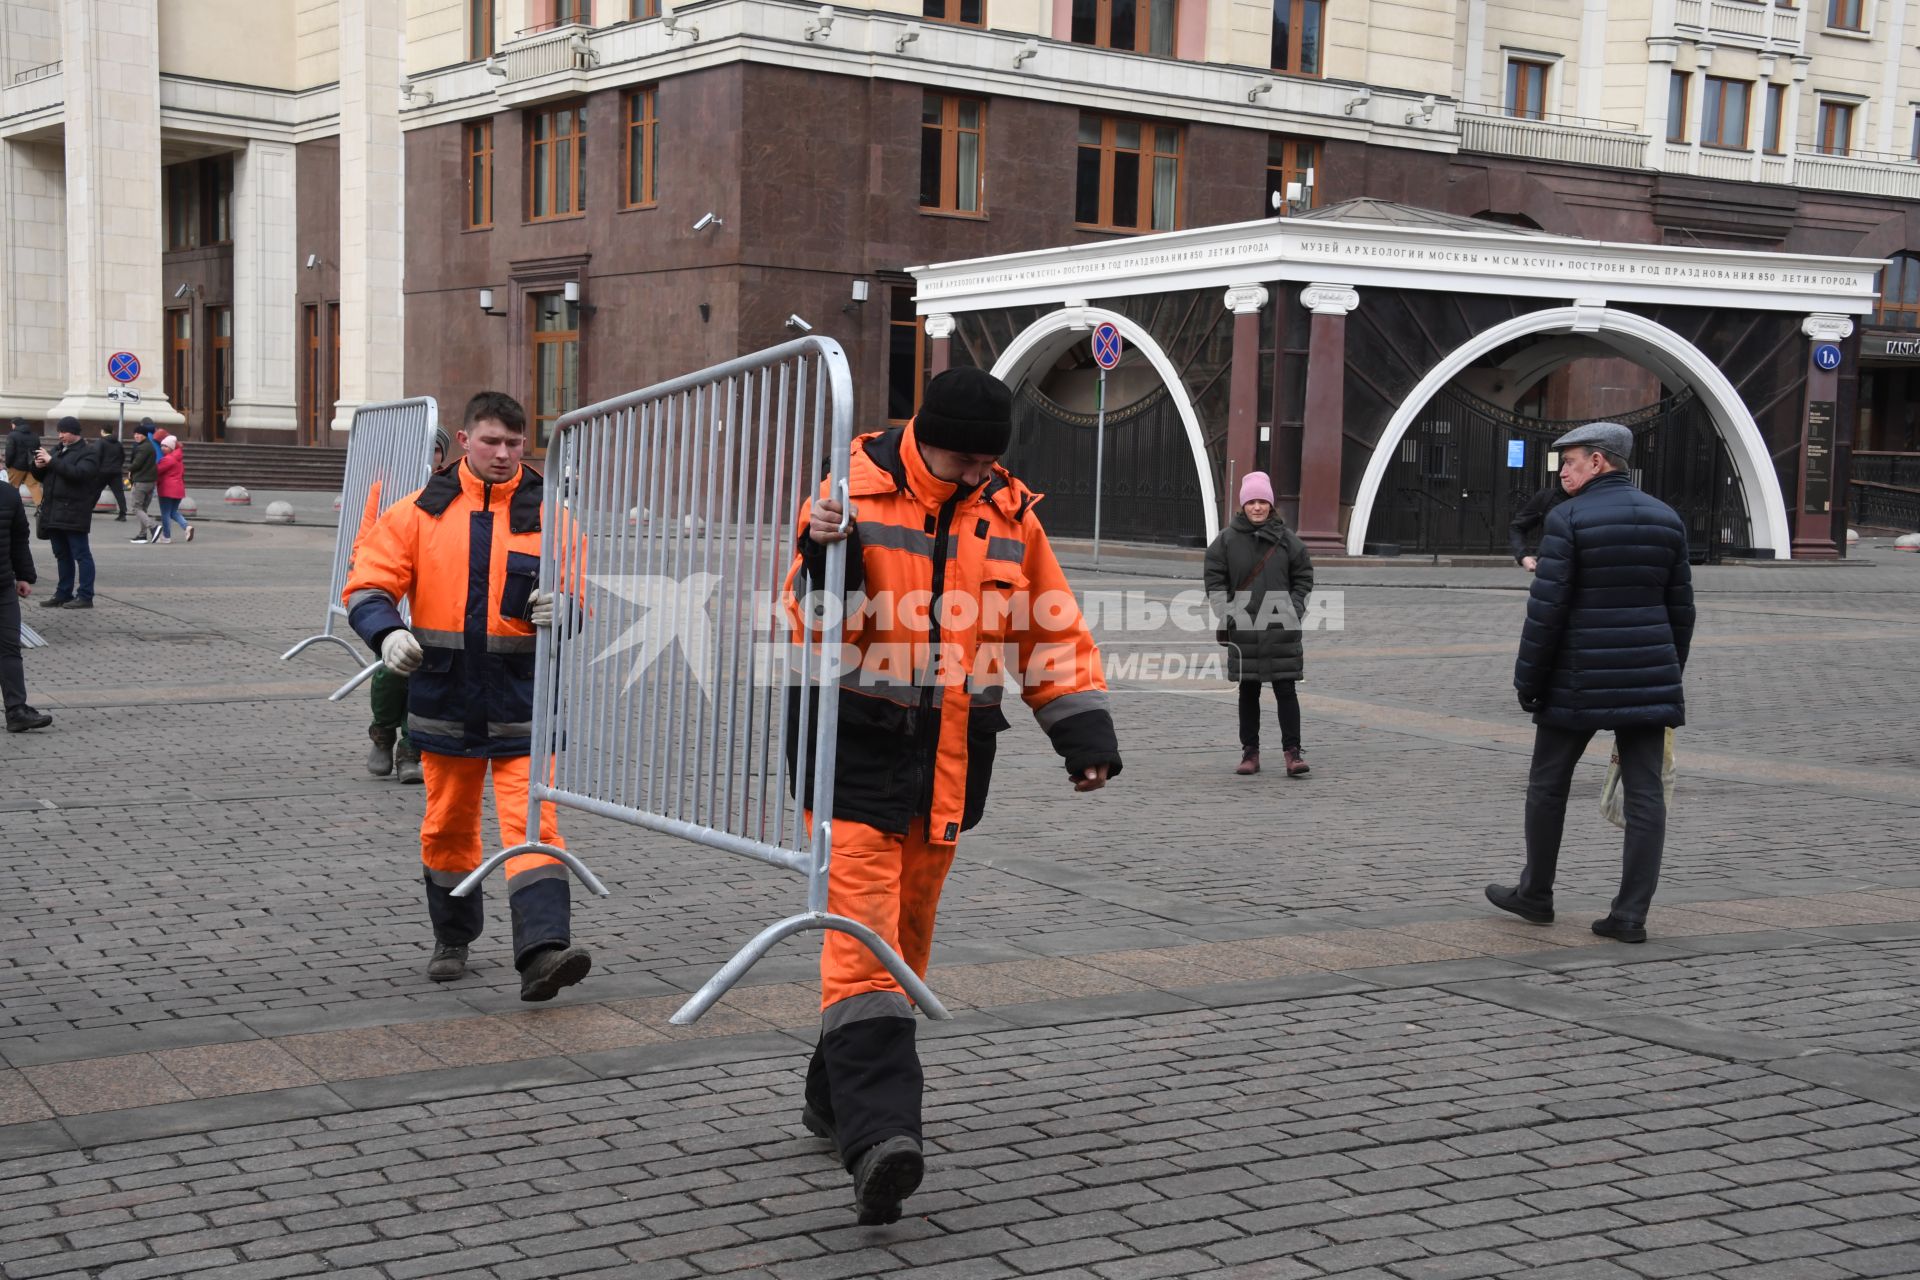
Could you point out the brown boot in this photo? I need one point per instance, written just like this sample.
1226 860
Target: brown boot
1296 762
1249 762
380 757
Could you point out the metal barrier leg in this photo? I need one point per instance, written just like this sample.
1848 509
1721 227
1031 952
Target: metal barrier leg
313 640
365 675
573 864
735 969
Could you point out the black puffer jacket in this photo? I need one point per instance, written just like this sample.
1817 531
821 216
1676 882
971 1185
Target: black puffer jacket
16 556
1610 617
1258 577
71 481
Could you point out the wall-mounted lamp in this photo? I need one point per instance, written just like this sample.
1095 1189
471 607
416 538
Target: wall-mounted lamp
709 219
1259 87
906 37
670 21
796 323
1423 112
1028 49
571 292
486 304
822 24
494 67
1361 97
416 96
585 58
313 261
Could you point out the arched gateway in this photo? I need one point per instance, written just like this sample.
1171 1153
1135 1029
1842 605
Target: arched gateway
1313 347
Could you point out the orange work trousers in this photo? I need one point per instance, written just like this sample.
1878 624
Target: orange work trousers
890 883
450 833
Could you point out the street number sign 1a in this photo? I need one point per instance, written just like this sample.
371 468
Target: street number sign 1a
1106 345
1827 356
123 366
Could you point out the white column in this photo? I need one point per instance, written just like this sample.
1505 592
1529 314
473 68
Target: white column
1891 109
372 333
110 63
1593 59
264 256
1474 62
33 279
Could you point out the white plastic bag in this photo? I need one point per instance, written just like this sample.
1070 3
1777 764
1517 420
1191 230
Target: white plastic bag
1613 796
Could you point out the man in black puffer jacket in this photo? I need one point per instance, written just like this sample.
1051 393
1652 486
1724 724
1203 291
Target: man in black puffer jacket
1609 622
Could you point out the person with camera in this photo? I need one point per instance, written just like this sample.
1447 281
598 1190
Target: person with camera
69 475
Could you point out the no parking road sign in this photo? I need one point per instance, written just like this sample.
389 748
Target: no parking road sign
1106 345
123 366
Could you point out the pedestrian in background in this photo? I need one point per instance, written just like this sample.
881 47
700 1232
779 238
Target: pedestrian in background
143 472
22 444
113 465
171 482
16 584
1531 516
69 474
1258 576
1609 623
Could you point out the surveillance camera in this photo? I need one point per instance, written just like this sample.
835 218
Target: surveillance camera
795 322
708 219
185 290
313 261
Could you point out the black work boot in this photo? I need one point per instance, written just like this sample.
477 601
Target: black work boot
22 718
1508 899
380 755
552 969
886 1174
449 962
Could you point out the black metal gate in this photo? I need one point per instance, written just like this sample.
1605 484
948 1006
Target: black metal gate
1152 491
1466 466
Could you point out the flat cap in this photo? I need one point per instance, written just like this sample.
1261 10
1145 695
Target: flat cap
1608 437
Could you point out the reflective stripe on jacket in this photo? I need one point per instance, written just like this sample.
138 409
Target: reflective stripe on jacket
450 547
964 594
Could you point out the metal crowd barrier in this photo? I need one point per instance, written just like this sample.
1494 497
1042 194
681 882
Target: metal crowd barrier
31 639
389 455
669 528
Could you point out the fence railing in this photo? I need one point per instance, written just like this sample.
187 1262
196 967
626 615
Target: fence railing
1577 141
1879 467
1884 506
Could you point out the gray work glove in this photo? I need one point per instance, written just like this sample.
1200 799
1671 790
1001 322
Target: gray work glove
540 608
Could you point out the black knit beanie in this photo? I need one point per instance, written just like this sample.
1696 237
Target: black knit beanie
966 410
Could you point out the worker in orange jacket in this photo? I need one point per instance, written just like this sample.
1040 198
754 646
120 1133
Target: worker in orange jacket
466 549
952 590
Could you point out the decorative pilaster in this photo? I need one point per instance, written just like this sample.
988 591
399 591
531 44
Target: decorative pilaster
1246 301
33 279
940 334
1814 487
110 68
1322 440
372 164
264 251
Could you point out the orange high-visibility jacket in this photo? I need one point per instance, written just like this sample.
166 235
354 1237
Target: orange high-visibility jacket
468 553
956 591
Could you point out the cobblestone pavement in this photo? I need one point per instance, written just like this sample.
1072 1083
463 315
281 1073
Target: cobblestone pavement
1207 1026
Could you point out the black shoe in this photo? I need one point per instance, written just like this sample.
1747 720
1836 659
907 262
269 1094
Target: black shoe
449 962
21 719
552 969
122 516
56 602
818 1125
885 1175
80 602
1619 930
1510 900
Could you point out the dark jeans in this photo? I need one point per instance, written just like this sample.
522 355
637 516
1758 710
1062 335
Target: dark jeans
1283 693
1555 753
13 675
119 486
71 550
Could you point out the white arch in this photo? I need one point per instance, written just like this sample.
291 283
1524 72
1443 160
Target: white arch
1634 336
1032 343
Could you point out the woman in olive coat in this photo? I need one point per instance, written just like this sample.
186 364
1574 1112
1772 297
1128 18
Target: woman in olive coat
1258 576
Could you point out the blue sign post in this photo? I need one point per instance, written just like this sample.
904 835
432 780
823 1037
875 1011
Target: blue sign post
1826 357
1106 354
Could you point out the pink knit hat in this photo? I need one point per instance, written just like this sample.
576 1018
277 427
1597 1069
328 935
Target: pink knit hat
1256 488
